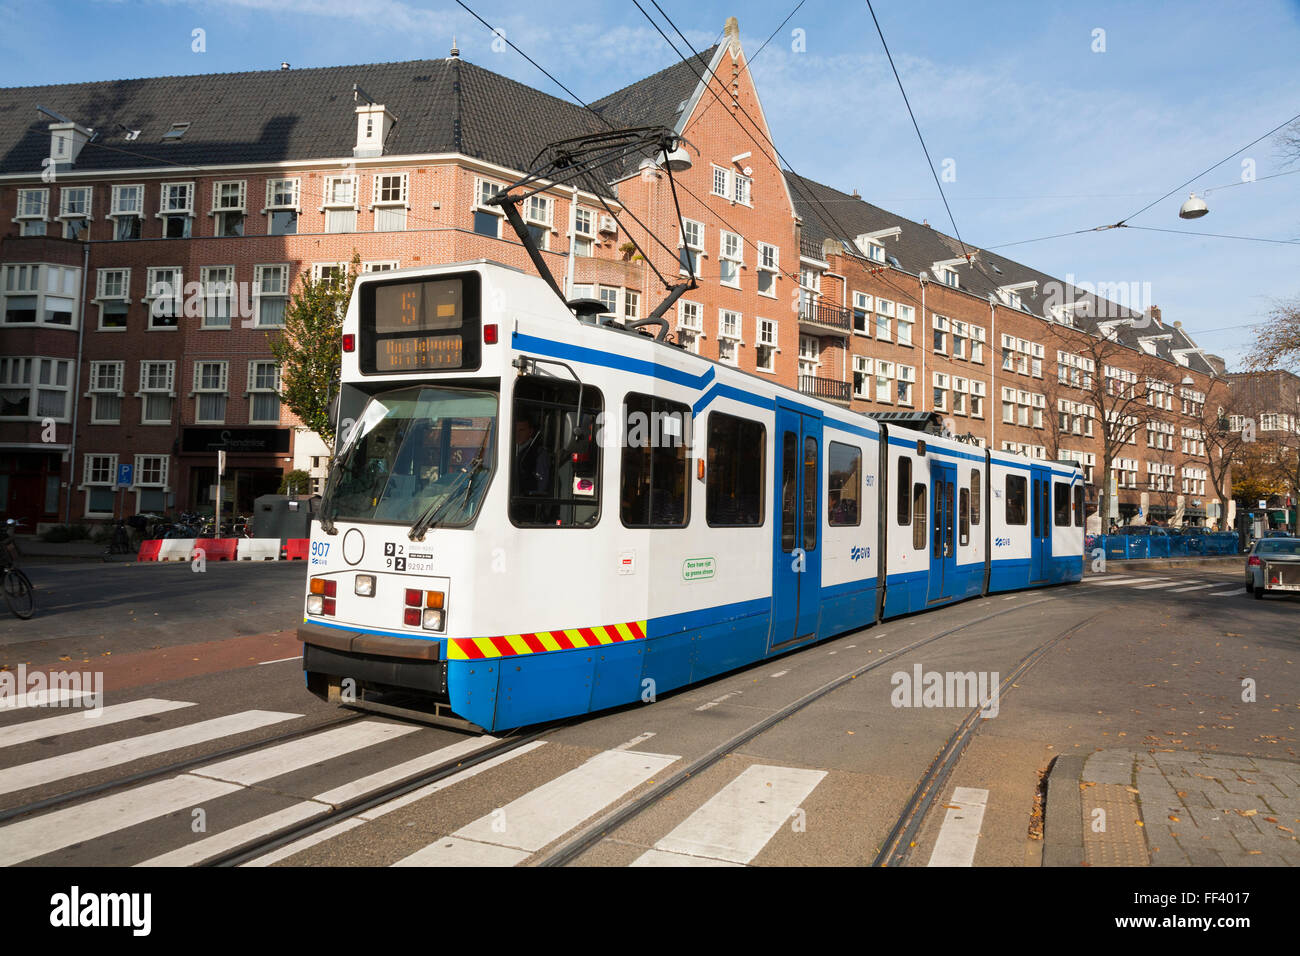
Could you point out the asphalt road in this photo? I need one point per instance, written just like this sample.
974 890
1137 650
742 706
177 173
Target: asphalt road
1144 660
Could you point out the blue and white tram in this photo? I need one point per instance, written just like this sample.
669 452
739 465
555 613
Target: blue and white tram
531 517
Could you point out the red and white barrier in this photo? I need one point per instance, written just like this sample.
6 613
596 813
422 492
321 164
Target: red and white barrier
258 549
175 549
225 549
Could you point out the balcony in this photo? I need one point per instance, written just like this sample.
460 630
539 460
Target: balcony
825 388
815 317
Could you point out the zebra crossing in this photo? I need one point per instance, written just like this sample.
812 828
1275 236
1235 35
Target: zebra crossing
1175 585
730 829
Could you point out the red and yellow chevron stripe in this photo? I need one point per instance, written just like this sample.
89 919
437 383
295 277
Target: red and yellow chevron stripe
511 645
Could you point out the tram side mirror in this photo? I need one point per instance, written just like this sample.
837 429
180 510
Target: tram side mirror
332 402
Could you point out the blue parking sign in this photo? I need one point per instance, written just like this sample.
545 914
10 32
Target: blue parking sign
124 475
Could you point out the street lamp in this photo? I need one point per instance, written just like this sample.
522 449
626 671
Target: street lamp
1194 208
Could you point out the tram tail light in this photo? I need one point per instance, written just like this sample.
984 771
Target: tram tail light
349 342
364 586
414 598
328 606
432 620
412 617
490 334
433 599
315 604
325 587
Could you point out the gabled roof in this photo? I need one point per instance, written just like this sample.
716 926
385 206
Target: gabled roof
446 105
828 213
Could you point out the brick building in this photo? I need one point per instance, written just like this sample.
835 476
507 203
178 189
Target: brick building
1271 400
157 227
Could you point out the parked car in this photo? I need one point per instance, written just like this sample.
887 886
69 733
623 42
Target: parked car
1273 564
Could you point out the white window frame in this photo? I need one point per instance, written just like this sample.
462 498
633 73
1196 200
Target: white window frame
91 463
767 344
209 296
863 366
696 248
32 280
254 389
32 206
260 273
222 388
293 194
906 382
884 382
106 386
168 389
734 255
103 296
177 295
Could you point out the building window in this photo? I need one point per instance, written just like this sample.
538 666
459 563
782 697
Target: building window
150 482
584 228
210 390
390 202
769 259
74 209
940 392
35 388
106 393
906 316
720 178
218 292
977 399
631 305
729 341
960 387
862 377
487 219
156 389
609 297
862 310
176 209
112 288
977 344
940 333
884 319
741 188
731 259
271 286
884 381
126 210
767 349
99 476
282 206
41 294
906 379
340 205
229 206
690 325
33 211
263 393
163 296
691 247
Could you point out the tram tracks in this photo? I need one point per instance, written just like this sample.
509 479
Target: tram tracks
914 811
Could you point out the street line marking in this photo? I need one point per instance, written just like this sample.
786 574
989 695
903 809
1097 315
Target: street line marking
296 657
454 851
86 720
740 819
545 814
780 673
642 738
276 761
1195 587
50 769
961 828
409 768
42 698
1160 584
1124 581
396 803
1227 593
28 839
715 703
1110 580
664 858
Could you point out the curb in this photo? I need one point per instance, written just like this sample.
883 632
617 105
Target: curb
1230 561
1063 813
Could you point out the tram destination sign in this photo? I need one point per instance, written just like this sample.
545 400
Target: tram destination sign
420 325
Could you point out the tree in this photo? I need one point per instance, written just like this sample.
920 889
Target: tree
1226 434
1277 341
296 482
309 348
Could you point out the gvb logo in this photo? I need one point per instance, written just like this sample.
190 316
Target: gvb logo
948 689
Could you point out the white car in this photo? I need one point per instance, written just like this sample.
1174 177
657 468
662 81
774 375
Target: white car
1273 564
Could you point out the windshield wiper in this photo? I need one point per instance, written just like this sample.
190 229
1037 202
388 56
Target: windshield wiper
435 511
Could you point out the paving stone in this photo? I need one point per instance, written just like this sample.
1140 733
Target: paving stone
1204 856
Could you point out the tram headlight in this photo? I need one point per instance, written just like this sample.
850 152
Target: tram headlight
315 604
432 620
365 585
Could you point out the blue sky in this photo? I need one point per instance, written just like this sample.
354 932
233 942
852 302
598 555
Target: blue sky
1046 135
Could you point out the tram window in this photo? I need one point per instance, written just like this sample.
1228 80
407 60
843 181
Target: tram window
964 512
1062 504
1078 506
789 489
555 463
736 471
656 463
844 485
1016 499
904 485
918 511
810 493
975 497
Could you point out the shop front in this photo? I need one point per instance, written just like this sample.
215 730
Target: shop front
256 460
29 487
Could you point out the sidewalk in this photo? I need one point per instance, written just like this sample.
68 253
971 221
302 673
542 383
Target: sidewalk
1217 562
32 550
1136 808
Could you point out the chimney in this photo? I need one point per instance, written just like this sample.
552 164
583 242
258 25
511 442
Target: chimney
926 223
284 66
1154 312
732 32
856 194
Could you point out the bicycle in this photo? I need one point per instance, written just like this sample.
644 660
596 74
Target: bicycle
119 543
19 593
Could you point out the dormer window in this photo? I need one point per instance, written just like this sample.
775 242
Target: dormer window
875 252
950 278
373 123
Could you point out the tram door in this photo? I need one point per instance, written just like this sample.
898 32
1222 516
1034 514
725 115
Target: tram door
943 550
796 559
1040 523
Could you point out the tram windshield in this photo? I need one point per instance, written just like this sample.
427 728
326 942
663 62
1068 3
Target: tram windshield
417 455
